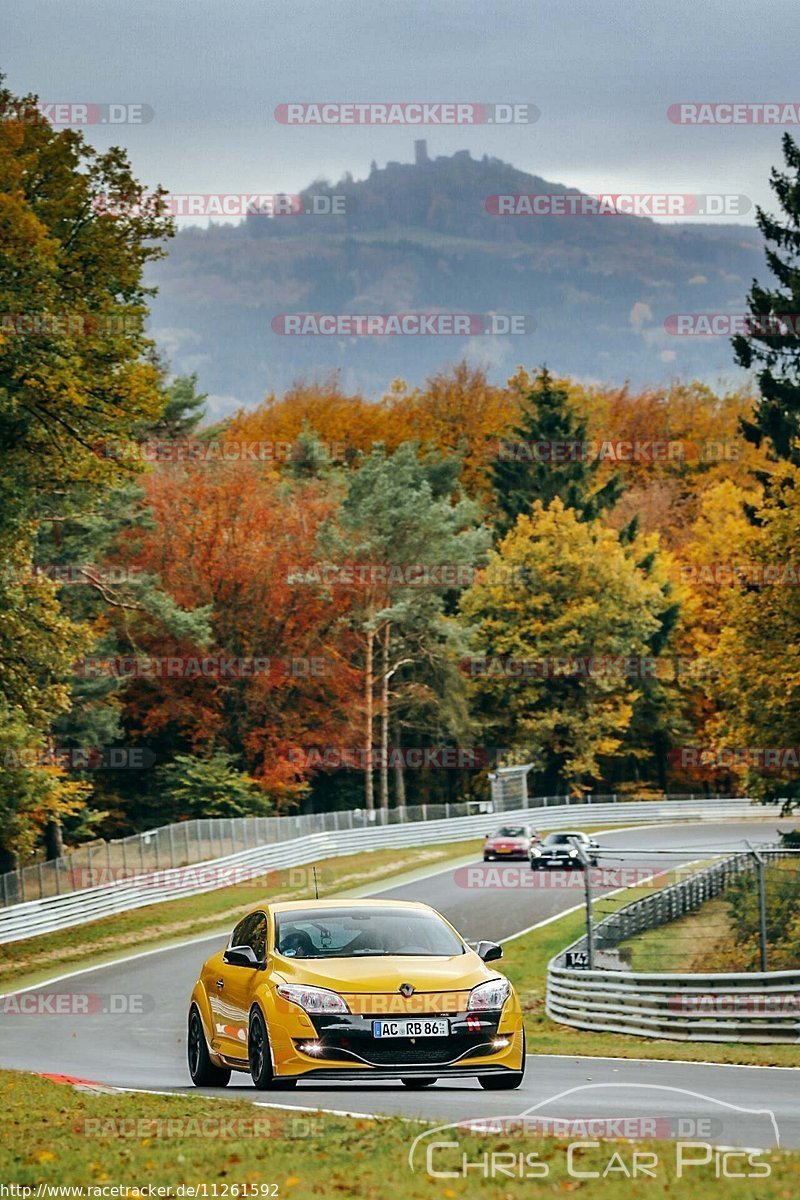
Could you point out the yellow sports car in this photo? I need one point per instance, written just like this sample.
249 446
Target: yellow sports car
353 989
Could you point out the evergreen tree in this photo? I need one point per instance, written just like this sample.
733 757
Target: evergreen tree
776 354
184 408
529 466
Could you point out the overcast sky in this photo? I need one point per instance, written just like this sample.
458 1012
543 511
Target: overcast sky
603 76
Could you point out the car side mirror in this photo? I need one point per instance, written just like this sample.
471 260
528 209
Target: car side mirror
489 951
241 956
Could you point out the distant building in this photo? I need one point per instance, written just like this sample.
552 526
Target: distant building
421 152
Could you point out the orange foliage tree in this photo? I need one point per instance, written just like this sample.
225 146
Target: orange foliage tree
231 536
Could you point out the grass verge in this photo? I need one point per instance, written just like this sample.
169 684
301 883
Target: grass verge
57 1136
683 944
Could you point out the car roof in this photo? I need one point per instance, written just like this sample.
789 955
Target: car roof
345 902
569 833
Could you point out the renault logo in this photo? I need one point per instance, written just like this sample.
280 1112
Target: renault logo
406 989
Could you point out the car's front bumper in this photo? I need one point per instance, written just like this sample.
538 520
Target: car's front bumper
556 861
344 1047
508 855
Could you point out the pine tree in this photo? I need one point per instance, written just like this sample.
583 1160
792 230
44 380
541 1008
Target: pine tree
525 471
776 415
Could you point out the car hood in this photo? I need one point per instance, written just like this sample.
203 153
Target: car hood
459 973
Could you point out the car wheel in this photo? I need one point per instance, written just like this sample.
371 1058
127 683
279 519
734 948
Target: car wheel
507 1082
258 1056
534 865
201 1068
417 1082
501 1083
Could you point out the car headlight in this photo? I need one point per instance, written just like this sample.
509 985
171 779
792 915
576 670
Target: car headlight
535 853
313 999
573 853
490 995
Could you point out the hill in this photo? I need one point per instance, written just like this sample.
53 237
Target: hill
418 237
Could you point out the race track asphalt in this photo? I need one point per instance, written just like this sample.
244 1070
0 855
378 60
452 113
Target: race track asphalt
752 1106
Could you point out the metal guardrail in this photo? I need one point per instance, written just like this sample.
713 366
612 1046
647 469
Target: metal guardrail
758 1006
201 840
52 913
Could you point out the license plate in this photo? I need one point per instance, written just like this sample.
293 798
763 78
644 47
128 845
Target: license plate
407 1028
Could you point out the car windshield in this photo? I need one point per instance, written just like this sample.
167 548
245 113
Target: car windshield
358 933
511 831
562 839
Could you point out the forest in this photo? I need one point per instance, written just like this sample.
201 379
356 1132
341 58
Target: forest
330 601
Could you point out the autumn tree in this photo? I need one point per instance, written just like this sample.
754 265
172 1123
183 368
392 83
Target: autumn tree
75 367
757 656
560 594
459 413
236 540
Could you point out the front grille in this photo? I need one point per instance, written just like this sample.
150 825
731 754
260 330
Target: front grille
351 1037
402 1050
429 1051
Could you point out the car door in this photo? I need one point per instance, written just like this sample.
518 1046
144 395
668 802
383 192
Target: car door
240 983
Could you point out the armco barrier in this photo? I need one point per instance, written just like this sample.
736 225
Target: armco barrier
758 1006
34 917
755 1007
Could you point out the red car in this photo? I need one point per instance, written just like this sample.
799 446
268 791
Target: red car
510 841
